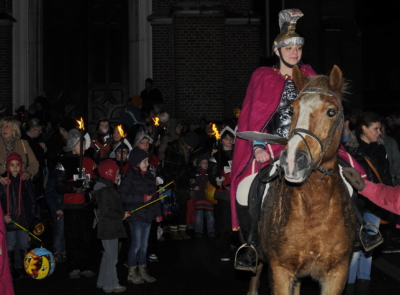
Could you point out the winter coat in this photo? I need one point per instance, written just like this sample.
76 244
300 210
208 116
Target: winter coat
27 158
169 135
376 153
176 167
28 203
201 202
110 210
393 156
222 163
134 186
101 144
382 195
6 285
127 118
55 150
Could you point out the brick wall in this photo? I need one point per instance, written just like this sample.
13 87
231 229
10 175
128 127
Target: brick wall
232 4
6 59
201 64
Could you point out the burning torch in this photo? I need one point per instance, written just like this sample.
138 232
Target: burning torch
81 128
122 134
156 121
217 144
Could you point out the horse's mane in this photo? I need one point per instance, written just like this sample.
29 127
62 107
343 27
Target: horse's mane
321 81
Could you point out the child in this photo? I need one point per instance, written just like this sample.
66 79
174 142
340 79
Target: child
18 204
136 187
110 227
78 209
102 142
202 206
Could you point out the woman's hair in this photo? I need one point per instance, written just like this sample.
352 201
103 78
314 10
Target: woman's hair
184 149
15 127
33 124
366 119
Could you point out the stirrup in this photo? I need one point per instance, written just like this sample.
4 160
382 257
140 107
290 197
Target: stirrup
374 245
252 268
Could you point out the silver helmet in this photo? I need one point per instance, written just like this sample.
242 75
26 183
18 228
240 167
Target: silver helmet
73 139
139 136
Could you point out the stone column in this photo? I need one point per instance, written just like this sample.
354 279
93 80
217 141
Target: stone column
140 45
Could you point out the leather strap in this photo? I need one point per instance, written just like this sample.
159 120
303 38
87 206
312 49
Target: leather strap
373 169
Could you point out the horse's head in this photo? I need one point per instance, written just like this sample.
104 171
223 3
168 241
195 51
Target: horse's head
316 128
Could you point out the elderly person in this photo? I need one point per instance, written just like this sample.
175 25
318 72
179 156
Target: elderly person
11 141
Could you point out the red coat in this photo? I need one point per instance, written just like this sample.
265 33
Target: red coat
6 285
262 100
387 197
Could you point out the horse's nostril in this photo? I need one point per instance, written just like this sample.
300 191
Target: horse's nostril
302 161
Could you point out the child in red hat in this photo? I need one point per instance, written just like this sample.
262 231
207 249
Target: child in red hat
18 205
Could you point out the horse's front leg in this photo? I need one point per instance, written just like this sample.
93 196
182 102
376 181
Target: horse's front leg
255 280
334 282
281 280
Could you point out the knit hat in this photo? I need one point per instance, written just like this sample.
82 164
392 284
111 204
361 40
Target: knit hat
136 101
108 169
201 158
14 156
191 139
136 156
67 124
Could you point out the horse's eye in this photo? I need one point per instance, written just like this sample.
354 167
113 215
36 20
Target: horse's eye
331 113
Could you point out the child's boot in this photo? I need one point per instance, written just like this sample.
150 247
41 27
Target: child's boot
175 234
133 276
182 231
144 275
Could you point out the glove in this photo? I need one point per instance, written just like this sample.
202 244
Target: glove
78 183
354 177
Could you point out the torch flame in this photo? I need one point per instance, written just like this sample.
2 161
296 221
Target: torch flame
81 124
121 132
216 133
155 120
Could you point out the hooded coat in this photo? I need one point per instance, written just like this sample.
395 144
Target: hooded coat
110 210
28 203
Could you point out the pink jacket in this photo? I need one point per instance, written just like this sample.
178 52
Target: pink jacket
387 197
6 285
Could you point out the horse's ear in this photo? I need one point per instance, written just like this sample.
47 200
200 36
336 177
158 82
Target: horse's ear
298 78
336 79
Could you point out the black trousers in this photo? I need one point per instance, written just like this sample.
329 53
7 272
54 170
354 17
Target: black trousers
78 227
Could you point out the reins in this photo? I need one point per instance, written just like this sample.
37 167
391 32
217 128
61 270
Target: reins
327 141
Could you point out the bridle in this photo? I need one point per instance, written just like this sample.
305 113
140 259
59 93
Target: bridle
326 143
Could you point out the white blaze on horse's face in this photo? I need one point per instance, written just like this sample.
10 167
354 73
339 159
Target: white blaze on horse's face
298 159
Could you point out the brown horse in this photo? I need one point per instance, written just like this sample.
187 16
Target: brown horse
310 229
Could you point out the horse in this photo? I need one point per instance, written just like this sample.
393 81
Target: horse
309 229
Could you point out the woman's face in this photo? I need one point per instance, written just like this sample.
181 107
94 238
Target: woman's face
116 135
36 132
291 54
7 130
179 128
371 133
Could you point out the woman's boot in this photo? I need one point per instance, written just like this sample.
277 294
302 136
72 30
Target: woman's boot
133 276
182 231
175 234
144 275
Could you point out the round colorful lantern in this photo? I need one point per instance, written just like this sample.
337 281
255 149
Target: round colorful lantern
39 263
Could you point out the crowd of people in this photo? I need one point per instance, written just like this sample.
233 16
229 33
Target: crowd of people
133 180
